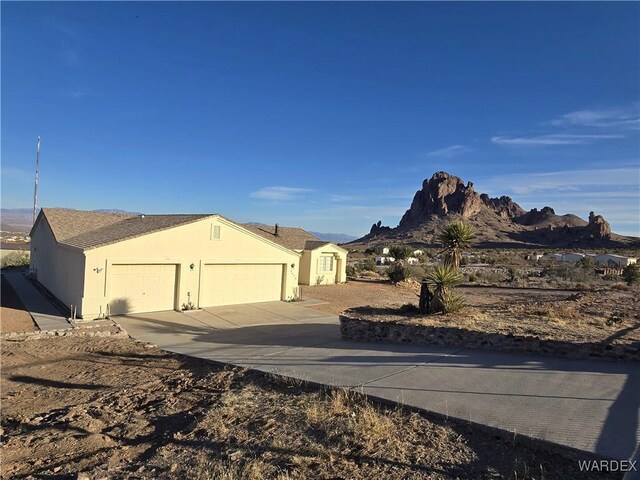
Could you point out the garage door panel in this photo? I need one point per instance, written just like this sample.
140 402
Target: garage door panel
240 283
142 288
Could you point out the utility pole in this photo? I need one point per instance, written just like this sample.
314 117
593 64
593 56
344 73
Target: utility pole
35 187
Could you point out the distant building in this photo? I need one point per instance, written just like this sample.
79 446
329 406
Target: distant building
418 252
381 250
382 260
413 261
572 257
610 260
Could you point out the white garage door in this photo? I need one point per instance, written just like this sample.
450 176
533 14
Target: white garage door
142 288
234 284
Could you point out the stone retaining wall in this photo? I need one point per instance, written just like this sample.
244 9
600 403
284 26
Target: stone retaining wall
363 330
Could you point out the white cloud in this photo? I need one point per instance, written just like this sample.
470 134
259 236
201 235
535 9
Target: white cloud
554 139
451 151
618 118
280 193
567 180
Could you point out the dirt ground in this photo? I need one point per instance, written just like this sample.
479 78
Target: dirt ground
611 315
115 408
13 317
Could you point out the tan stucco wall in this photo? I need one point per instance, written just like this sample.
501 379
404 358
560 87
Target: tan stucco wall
310 273
183 246
57 267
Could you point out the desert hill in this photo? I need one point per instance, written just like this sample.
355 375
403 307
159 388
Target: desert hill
499 222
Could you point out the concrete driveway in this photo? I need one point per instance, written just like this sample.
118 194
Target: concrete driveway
587 405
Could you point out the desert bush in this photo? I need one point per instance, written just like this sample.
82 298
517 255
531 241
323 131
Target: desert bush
400 252
17 258
569 272
417 273
367 264
631 274
442 279
397 272
351 271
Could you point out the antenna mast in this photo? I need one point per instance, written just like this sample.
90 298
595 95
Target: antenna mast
35 187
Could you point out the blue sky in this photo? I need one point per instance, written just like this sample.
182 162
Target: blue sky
322 115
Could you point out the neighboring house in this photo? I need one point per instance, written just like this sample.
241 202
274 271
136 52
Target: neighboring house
381 250
412 261
322 263
607 260
105 263
381 260
572 257
556 257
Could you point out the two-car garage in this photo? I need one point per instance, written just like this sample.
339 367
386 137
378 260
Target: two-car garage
153 287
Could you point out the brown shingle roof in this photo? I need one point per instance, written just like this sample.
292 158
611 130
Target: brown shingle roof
294 238
88 230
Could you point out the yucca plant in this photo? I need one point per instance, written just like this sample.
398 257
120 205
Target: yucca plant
456 237
441 280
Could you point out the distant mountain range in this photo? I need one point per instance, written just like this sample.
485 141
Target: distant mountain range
19 220
499 222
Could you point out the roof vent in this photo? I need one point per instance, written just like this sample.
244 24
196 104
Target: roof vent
276 232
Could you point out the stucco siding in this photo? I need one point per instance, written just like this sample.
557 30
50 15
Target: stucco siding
60 269
189 247
315 270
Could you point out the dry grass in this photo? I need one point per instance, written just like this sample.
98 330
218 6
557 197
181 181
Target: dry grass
129 411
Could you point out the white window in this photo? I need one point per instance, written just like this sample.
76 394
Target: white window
215 232
325 264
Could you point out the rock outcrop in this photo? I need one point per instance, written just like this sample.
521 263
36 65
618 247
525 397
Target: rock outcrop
442 194
598 228
535 216
378 228
498 221
503 206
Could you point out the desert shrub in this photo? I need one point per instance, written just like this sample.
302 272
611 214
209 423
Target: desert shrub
369 273
17 258
351 271
441 280
631 274
472 277
417 273
400 252
370 251
367 264
512 274
569 272
397 272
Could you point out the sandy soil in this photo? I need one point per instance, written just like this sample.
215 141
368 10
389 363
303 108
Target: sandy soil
114 408
13 317
610 315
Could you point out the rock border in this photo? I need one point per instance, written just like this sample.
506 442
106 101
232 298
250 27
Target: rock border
356 328
113 330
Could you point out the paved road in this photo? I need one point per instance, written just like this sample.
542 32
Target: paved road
588 405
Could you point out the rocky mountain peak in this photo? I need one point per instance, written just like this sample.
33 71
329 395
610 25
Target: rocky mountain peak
445 194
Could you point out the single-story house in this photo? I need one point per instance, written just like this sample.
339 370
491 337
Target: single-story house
572 257
412 261
108 263
613 260
321 262
382 260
